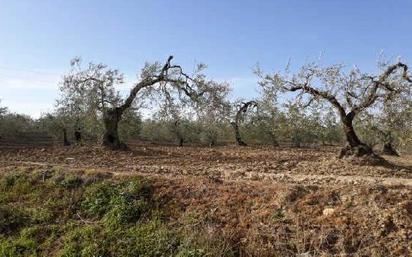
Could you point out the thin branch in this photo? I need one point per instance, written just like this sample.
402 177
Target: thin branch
372 94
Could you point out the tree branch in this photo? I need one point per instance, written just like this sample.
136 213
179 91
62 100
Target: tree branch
318 93
382 82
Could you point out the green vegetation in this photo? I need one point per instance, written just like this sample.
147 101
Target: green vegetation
46 213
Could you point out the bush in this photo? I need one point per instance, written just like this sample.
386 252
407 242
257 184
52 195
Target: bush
71 182
123 211
17 247
146 240
116 204
97 198
13 179
12 219
83 241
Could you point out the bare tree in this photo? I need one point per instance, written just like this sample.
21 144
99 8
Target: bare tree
349 93
100 84
241 110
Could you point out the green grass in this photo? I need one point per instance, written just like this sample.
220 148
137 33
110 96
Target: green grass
49 213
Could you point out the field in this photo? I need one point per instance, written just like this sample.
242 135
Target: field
221 201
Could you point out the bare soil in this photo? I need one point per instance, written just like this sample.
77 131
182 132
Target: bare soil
266 201
286 165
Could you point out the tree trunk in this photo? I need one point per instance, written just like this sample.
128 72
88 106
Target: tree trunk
65 140
77 132
354 146
274 139
180 138
242 110
350 134
212 143
388 147
78 136
111 119
239 140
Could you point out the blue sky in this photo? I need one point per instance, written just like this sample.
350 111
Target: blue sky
38 38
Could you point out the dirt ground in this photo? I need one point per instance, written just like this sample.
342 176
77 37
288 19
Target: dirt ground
285 165
262 199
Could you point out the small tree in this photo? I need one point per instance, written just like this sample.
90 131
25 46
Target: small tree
131 125
96 84
350 94
212 117
267 119
300 126
56 124
390 125
175 116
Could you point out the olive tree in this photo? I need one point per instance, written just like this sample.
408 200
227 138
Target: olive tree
176 117
267 119
241 110
56 124
390 124
212 115
350 93
96 84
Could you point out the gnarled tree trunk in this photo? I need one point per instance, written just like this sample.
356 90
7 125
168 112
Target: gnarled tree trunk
65 140
238 138
354 146
179 136
243 107
111 119
78 136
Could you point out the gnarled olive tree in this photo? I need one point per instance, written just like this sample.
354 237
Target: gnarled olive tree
241 110
349 93
96 86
